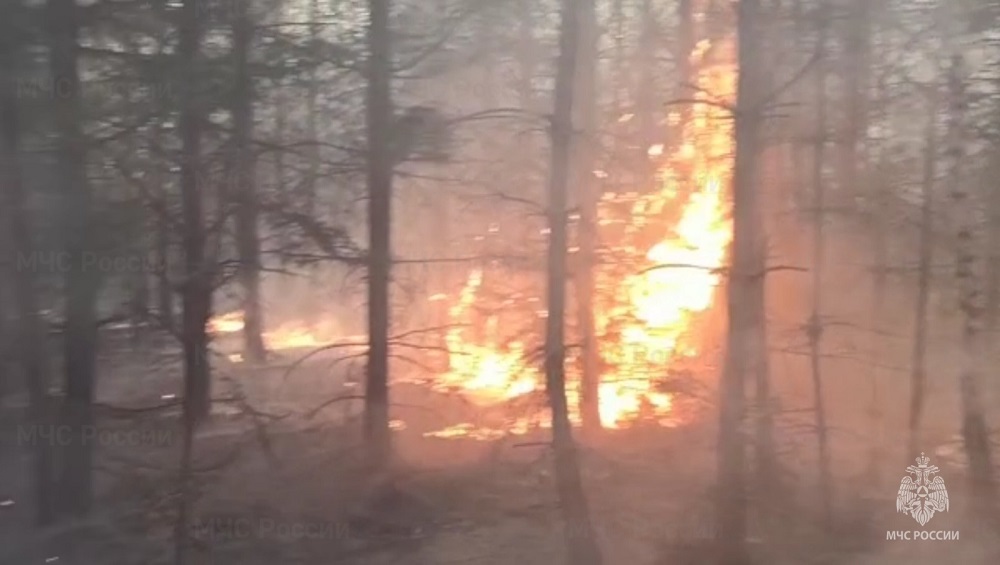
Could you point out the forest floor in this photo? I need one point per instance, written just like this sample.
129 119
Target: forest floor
289 489
280 482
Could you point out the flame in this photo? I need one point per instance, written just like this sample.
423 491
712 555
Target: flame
668 248
291 335
661 273
486 371
231 322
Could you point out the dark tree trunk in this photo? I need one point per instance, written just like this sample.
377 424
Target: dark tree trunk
82 282
814 327
857 42
588 194
245 164
582 548
196 288
30 331
312 119
743 295
380 173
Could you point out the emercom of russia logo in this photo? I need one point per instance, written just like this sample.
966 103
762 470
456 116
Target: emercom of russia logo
921 497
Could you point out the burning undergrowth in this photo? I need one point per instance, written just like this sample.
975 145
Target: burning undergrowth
657 280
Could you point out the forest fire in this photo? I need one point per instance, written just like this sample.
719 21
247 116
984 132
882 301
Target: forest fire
285 336
660 273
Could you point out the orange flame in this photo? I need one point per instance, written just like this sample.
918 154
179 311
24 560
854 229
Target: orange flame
645 317
290 335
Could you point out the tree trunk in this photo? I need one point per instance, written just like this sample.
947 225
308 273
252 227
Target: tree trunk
685 49
585 150
974 430
312 117
743 295
857 44
815 325
918 359
380 177
82 282
196 289
247 240
646 101
30 331
582 548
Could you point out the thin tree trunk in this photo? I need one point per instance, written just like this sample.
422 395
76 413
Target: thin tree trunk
380 176
82 283
30 331
582 548
918 363
743 298
686 34
196 293
247 239
646 101
815 325
857 43
586 91
197 285
974 430
312 117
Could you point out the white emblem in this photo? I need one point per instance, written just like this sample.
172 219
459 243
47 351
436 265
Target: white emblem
919 496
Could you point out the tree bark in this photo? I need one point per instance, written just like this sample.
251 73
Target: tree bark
30 329
582 548
380 177
247 213
82 278
585 151
196 289
742 295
